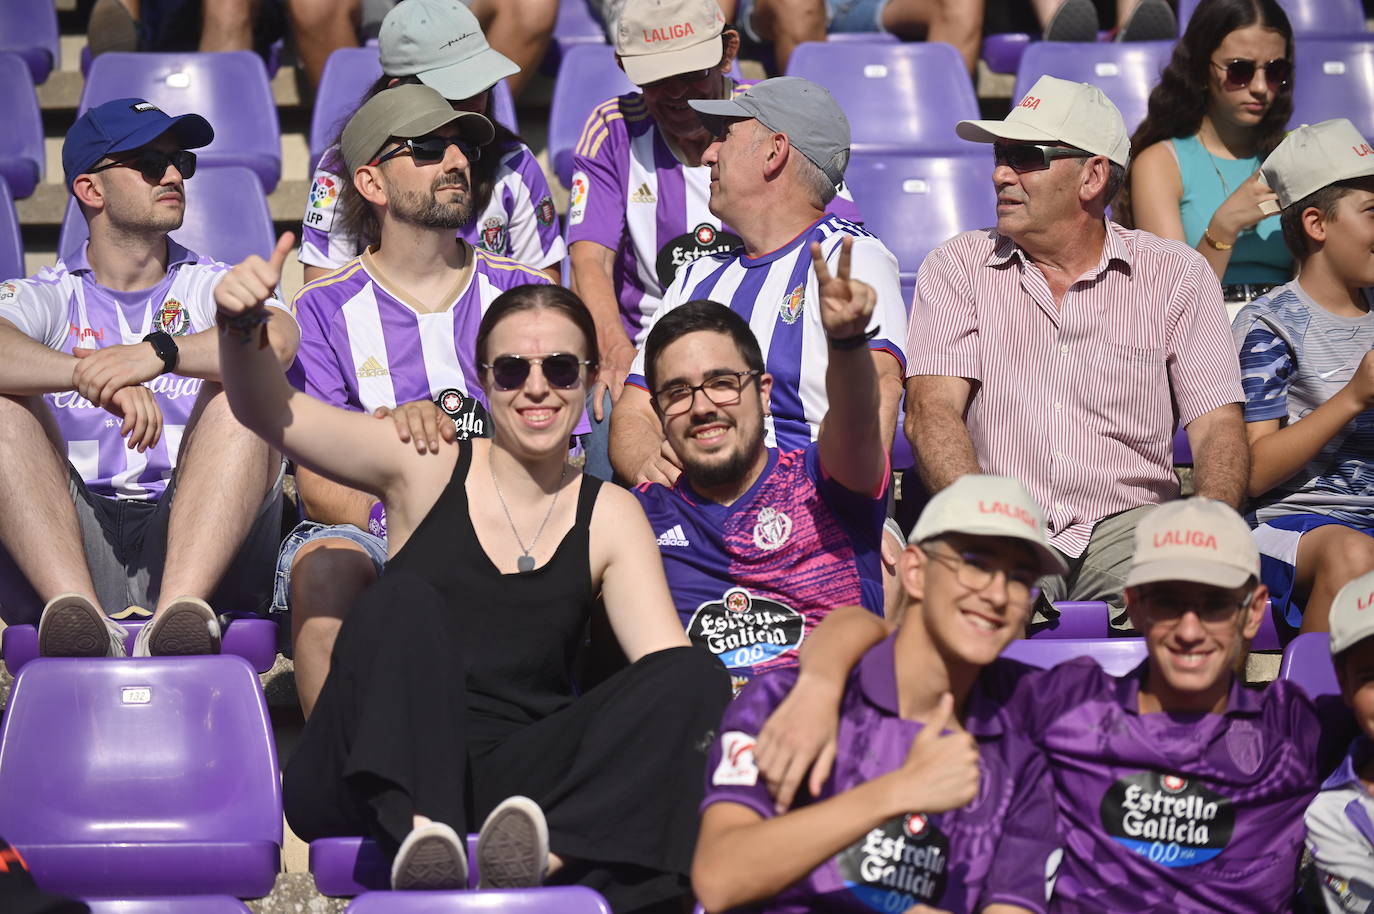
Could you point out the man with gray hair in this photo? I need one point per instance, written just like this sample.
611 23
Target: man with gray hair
1063 350
779 155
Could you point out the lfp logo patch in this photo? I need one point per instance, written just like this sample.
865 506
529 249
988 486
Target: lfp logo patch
319 208
1168 819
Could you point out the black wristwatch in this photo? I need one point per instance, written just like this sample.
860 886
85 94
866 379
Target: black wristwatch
166 349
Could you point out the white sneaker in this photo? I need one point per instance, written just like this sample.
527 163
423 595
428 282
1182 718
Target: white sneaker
431 857
72 626
513 846
186 626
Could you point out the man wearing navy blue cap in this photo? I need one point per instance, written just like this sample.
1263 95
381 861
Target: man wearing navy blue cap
109 373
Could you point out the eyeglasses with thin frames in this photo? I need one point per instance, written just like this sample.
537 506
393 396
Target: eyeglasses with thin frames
977 570
720 389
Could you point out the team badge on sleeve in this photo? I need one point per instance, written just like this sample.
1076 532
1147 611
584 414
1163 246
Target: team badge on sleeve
577 199
545 212
494 235
736 768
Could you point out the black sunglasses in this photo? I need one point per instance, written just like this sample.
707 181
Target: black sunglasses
426 150
1240 72
561 369
695 76
1021 157
152 163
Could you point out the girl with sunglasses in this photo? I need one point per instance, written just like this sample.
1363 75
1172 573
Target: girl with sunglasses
513 211
453 694
1220 107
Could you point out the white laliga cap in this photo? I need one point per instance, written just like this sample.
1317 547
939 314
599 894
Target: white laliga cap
1312 157
1059 111
1194 539
988 506
656 39
1352 613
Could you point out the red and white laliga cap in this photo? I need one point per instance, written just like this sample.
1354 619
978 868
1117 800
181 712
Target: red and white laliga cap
978 505
1352 613
1194 539
1315 156
656 39
1059 111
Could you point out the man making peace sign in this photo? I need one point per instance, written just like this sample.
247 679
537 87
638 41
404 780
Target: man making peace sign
759 543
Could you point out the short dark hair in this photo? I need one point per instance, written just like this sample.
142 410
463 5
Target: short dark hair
1324 199
538 297
694 316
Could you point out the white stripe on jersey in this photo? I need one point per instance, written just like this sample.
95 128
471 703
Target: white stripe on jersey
125 482
366 341
641 219
440 352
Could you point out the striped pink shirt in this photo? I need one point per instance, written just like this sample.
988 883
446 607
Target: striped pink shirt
1078 401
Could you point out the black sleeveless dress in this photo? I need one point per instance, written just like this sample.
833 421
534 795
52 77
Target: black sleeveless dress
451 687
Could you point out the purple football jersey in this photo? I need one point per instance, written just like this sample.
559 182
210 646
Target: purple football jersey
63 307
750 580
631 194
364 345
1173 812
1001 848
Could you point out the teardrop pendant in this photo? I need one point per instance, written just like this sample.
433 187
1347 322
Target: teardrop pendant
525 563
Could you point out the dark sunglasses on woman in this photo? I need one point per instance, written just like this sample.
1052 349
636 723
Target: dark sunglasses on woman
1240 72
561 369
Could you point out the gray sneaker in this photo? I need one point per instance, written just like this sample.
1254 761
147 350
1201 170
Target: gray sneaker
431 857
186 626
513 846
72 626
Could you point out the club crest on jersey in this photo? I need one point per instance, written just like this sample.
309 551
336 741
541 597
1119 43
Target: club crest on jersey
771 528
545 212
791 306
172 318
898 865
1167 819
494 235
577 198
744 629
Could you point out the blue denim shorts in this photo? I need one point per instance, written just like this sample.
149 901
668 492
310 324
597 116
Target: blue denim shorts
840 16
309 531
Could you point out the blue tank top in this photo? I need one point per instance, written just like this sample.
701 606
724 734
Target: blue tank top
1260 254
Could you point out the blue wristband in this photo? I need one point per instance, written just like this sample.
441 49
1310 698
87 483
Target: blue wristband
376 520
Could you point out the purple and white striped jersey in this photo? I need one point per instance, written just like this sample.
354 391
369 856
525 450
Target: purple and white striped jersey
776 294
63 307
365 344
519 221
631 194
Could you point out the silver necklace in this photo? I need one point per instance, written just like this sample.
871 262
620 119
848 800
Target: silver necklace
525 563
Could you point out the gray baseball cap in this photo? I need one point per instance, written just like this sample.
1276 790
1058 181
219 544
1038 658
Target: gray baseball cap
813 121
404 111
440 43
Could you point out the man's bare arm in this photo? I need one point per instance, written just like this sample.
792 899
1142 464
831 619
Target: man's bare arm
935 407
1221 454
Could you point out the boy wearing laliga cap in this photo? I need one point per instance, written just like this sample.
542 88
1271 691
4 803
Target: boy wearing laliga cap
1340 821
1309 376
936 797
119 339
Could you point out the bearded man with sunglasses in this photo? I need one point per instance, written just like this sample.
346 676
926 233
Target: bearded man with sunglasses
118 337
395 325
1063 350
760 543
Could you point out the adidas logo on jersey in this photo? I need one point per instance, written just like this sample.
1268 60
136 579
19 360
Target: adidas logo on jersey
372 368
643 195
673 536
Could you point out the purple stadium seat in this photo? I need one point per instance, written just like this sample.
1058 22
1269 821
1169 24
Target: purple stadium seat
1183 449
344 867
863 37
1124 71
1118 656
255 640
21 143
349 73
142 777
29 29
898 97
1078 619
229 88
1267 638
914 203
226 217
11 242
1002 52
1330 18
186 904
1334 78
563 899
576 25
1307 661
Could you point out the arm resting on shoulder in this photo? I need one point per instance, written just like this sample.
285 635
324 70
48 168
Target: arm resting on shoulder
637 445
1221 455
935 407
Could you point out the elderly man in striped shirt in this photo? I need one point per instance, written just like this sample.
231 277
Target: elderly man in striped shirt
1063 349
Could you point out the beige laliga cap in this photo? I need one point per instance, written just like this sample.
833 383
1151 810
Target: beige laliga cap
656 39
989 506
1059 111
440 43
1194 539
1312 157
1352 612
406 112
